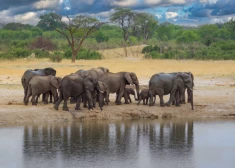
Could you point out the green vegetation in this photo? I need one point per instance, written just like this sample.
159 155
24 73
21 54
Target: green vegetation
48 39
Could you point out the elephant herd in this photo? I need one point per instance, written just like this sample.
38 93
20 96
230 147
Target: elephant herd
96 84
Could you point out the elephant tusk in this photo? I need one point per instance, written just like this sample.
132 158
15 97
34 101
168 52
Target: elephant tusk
101 91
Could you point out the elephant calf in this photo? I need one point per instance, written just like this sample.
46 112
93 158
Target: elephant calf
144 95
41 85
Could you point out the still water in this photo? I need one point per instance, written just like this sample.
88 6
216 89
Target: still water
125 144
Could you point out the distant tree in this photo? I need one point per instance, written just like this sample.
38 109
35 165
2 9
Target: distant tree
42 44
124 18
206 33
77 30
231 27
145 25
100 37
17 26
49 22
188 36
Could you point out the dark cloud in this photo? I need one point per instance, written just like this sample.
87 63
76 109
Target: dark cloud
6 4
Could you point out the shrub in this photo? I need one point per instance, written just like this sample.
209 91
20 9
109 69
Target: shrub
19 52
150 48
43 44
56 57
84 54
40 53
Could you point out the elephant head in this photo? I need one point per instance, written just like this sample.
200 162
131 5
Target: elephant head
132 79
49 71
103 69
188 83
55 81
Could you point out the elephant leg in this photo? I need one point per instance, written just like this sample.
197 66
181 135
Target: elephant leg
151 98
46 95
34 99
162 104
51 97
126 97
172 95
56 105
121 92
139 100
154 101
78 102
147 99
26 101
94 101
129 98
177 98
65 106
189 92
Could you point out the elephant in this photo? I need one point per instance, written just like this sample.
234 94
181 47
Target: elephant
75 86
129 91
94 89
93 72
168 83
144 95
116 83
42 85
28 74
70 86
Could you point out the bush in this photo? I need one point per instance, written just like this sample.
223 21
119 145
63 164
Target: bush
84 54
56 57
41 54
150 48
19 52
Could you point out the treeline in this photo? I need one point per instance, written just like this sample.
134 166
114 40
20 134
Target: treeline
165 40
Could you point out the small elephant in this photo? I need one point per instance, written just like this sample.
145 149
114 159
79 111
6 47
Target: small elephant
42 85
128 92
144 95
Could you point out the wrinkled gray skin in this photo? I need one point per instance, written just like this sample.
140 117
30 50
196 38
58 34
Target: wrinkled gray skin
93 88
27 76
42 85
116 83
144 95
168 83
71 85
129 91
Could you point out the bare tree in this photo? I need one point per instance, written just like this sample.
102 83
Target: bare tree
77 30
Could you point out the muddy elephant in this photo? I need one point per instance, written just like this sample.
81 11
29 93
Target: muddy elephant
144 95
168 83
116 83
28 74
42 85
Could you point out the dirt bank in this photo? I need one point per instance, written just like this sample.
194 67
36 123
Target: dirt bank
214 94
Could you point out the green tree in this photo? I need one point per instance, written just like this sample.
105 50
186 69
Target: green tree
124 18
145 25
100 37
77 30
49 22
206 33
16 26
188 36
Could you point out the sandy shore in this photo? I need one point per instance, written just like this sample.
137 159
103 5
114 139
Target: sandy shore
214 94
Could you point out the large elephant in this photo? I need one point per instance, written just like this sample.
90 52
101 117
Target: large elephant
75 86
168 83
42 85
94 89
95 73
116 83
28 74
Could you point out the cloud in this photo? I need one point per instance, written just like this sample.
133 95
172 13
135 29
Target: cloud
171 15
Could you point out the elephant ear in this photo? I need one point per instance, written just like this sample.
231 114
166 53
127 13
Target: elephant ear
128 78
49 71
102 87
54 82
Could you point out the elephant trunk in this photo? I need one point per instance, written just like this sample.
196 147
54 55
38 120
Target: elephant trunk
192 99
137 91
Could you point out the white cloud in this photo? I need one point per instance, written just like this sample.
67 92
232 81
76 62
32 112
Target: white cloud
46 4
171 15
158 16
124 3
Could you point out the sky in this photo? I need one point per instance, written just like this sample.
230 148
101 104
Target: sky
181 12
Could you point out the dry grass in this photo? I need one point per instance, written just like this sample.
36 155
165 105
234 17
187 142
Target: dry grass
134 63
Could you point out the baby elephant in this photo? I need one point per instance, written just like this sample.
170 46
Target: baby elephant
144 95
41 85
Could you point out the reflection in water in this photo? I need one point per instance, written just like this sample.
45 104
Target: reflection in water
138 144
104 144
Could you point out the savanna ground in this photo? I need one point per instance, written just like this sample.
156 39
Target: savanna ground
214 93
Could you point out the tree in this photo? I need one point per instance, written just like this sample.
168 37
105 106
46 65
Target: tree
16 26
77 30
145 25
100 37
206 33
49 22
124 18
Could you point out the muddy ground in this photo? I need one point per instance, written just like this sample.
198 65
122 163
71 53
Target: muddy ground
214 93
